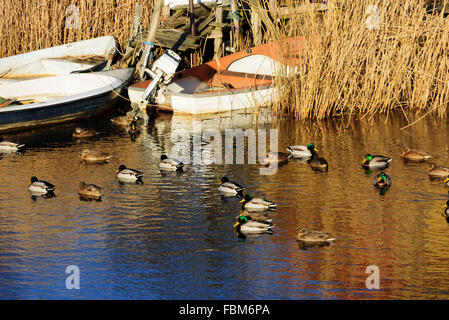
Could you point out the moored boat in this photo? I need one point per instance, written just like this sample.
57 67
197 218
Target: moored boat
59 60
238 81
52 100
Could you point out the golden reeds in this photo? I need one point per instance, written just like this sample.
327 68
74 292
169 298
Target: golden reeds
370 57
28 25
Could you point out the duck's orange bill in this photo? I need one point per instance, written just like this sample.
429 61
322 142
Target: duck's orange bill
236 224
379 179
364 160
241 201
447 179
316 150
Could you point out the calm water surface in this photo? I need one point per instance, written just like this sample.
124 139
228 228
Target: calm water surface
172 237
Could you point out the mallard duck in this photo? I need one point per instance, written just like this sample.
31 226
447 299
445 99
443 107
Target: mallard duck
122 121
84 133
40 186
230 188
8 146
299 151
168 164
415 155
252 204
447 181
446 209
248 226
316 163
371 161
89 190
133 128
91 156
314 237
256 216
382 180
278 158
435 171
127 174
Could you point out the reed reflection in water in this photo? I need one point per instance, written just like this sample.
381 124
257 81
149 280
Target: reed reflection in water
172 237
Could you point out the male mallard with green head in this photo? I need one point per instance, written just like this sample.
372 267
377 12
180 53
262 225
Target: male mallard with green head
377 161
316 163
133 128
247 226
256 216
382 180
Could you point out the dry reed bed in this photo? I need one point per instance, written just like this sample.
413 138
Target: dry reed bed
354 70
28 25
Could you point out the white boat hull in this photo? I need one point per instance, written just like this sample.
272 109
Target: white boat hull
220 101
60 99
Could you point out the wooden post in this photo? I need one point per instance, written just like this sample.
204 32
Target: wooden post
192 18
218 40
236 24
149 41
256 26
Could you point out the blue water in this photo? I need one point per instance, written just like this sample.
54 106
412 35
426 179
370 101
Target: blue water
172 237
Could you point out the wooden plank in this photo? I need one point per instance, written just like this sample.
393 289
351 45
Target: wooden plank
155 20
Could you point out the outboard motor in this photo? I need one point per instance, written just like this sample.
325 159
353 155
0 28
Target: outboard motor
162 70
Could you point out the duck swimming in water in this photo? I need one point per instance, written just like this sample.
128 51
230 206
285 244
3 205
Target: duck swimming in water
246 225
415 155
299 151
40 186
92 156
370 161
167 164
435 171
314 237
316 163
230 188
382 180
89 190
84 133
252 204
8 146
128 175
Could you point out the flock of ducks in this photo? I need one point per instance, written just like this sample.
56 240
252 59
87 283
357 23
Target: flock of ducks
254 218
